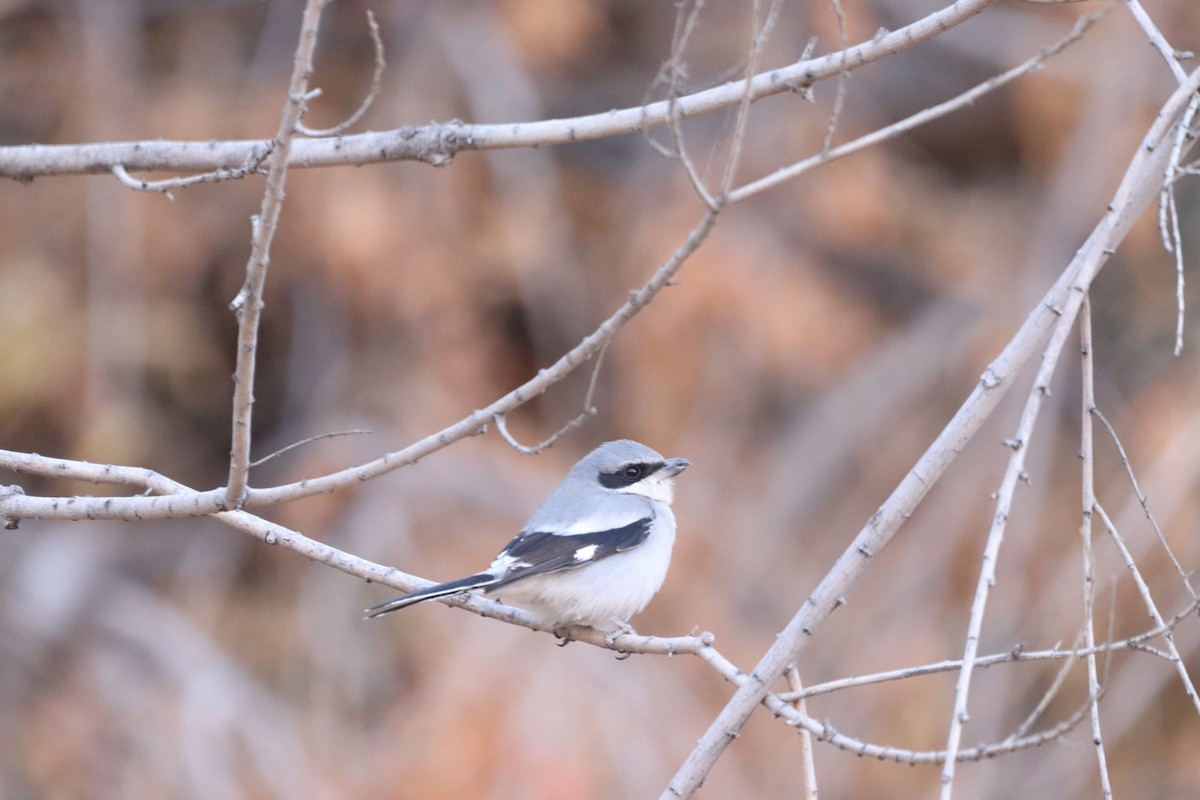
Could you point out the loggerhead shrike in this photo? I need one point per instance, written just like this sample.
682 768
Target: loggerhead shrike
594 552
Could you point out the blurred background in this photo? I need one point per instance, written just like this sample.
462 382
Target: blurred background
814 346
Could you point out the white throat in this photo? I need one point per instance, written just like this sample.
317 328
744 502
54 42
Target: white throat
658 487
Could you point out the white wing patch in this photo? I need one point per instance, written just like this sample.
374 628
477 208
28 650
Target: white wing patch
505 562
586 553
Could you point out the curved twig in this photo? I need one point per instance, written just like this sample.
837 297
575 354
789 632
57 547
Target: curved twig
376 84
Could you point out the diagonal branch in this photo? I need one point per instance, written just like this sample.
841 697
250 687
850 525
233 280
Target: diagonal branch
187 503
1138 188
1013 473
1152 607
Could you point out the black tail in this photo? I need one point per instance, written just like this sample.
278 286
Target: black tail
433 592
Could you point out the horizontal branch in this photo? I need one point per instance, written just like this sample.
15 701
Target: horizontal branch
699 645
1017 654
438 143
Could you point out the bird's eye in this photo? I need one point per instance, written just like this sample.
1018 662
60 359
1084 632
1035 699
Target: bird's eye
634 471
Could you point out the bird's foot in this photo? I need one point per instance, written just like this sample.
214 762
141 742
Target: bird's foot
610 638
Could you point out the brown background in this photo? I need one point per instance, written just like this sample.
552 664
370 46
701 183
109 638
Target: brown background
815 345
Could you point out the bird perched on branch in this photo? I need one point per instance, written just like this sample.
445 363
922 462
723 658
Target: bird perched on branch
594 552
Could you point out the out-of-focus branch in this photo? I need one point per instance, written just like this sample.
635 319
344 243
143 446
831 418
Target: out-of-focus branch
1147 597
437 143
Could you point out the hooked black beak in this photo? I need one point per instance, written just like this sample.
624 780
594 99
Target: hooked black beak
673 466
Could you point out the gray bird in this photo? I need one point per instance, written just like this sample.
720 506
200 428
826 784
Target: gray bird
594 552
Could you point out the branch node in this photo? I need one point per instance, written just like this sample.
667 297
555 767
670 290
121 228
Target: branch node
10 522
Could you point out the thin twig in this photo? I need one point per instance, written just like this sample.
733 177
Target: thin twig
1168 215
839 96
760 31
1168 53
248 304
1145 502
1151 606
376 84
674 71
1060 678
825 731
1013 474
921 117
1087 452
167 184
1015 655
1168 212
529 450
589 410
309 440
807 765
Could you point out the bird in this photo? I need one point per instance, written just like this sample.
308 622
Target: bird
593 553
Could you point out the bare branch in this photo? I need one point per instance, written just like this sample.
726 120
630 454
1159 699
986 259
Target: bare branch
248 304
1088 453
1151 606
1139 185
807 764
1168 219
921 117
1013 473
589 410
437 143
1145 502
251 166
839 97
761 29
1168 53
685 24
181 502
309 440
1168 214
376 84
1015 655
825 732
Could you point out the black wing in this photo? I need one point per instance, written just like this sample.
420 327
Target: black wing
538 552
